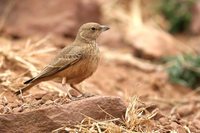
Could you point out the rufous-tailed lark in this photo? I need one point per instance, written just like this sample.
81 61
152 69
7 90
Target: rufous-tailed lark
75 62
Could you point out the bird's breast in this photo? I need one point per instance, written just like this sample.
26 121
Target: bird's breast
92 59
85 67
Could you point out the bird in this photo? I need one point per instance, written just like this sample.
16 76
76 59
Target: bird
75 62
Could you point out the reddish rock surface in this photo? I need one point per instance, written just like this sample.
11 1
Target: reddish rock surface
195 23
62 17
51 118
152 43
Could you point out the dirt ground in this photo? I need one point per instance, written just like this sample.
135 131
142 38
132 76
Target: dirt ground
179 105
128 70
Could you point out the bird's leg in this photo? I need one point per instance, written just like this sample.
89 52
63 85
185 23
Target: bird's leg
82 94
74 87
64 86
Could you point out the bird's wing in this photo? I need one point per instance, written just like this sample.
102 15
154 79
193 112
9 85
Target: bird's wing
67 57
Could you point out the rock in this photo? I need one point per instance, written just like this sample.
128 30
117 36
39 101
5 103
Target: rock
50 118
17 109
13 104
1 108
113 39
164 121
183 122
62 17
49 96
174 125
196 123
186 110
193 129
151 108
37 93
7 97
158 115
195 23
151 43
180 129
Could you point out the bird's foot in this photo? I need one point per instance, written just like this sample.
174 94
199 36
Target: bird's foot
69 96
86 95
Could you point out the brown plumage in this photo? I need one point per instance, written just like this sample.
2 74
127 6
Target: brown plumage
75 62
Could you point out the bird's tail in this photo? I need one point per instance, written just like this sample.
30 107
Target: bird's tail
29 83
27 87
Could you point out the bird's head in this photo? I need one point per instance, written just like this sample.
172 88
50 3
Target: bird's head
91 31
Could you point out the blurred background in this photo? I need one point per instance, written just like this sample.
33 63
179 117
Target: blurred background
151 51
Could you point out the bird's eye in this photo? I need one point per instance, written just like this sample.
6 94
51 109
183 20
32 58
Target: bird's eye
93 29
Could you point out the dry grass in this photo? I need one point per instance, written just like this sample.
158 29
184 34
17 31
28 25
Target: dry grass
17 61
137 120
16 64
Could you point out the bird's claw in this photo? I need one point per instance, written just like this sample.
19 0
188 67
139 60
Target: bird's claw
85 95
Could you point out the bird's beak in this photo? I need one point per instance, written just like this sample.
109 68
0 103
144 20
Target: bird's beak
104 28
